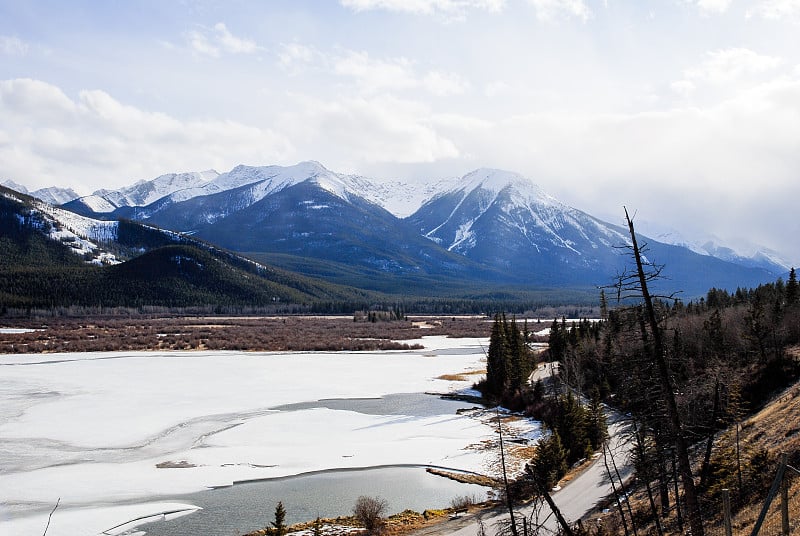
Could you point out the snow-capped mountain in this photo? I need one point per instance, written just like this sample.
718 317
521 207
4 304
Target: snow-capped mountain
490 225
146 192
504 220
403 198
756 257
245 184
53 195
305 211
15 186
83 235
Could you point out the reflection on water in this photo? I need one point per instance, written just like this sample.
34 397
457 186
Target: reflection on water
250 506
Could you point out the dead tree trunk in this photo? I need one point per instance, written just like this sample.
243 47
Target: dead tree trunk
681 444
705 472
614 489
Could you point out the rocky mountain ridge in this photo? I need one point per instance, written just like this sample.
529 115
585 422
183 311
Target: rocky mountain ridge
489 226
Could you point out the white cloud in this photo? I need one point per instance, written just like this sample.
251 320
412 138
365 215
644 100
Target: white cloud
200 44
291 55
551 10
425 7
496 88
776 9
217 40
95 139
726 65
36 101
13 46
373 75
444 84
231 43
707 164
351 132
711 6
684 88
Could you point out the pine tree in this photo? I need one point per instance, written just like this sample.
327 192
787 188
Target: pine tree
496 367
571 427
596 430
549 463
280 516
519 367
556 342
792 290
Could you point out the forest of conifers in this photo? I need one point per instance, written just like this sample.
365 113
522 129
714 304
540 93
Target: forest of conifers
727 355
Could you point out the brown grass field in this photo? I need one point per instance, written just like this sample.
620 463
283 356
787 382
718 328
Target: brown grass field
277 333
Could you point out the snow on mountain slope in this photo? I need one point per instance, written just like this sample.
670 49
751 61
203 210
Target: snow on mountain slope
145 192
15 186
265 180
753 256
503 220
456 218
55 195
403 198
80 233
97 204
459 213
497 180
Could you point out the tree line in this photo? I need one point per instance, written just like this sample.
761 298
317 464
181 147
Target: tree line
680 371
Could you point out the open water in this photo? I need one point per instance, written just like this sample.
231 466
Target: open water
249 506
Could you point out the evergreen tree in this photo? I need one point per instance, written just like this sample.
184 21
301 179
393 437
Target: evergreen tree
519 362
496 368
549 463
571 427
597 429
557 341
280 516
509 363
792 290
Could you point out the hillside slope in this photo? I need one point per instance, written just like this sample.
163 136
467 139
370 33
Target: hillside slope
43 267
760 438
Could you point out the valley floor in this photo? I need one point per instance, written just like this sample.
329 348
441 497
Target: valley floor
113 435
266 334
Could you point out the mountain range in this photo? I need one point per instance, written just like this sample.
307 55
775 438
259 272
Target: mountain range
55 258
489 230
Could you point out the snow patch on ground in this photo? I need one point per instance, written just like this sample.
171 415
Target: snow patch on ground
81 233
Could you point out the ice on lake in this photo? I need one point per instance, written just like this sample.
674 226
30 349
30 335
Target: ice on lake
92 429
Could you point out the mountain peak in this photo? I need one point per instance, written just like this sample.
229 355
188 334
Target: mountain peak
521 189
311 167
492 179
14 186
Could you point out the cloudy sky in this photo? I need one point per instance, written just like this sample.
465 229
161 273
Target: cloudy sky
686 111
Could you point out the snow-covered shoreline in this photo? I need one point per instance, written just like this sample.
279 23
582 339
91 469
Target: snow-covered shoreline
91 428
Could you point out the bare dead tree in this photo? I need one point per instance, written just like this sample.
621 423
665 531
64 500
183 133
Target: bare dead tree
50 517
616 492
636 284
509 497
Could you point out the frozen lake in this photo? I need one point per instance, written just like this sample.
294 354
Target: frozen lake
118 436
